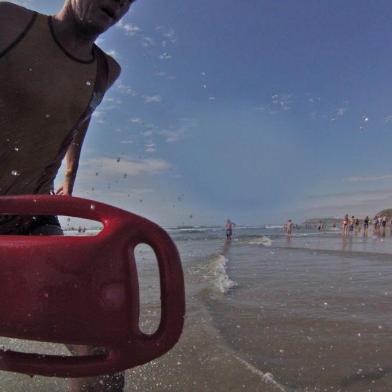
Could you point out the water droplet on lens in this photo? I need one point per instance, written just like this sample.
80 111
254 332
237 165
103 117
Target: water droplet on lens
47 115
92 207
88 83
15 173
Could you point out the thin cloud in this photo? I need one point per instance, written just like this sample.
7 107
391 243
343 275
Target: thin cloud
113 53
148 42
152 98
368 178
174 136
388 119
125 89
112 168
129 28
98 116
136 120
168 35
150 148
165 56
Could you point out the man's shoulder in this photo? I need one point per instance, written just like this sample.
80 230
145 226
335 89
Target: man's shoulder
13 21
14 13
114 69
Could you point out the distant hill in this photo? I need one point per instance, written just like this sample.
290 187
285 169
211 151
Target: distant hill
387 213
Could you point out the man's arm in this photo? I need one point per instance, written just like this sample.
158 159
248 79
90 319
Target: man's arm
73 153
72 160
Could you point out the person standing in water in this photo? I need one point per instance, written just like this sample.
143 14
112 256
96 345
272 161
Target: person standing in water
52 77
290 226
383 225
229 229
345 225
366 226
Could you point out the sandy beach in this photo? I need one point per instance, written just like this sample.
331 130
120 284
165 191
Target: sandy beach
266 314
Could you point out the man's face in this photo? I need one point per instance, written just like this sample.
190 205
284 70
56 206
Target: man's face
98 15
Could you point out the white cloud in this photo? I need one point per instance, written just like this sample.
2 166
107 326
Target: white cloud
147 133
150 147
124 89
113 53
147 42
357 203
368 178
152 98
112 168
341 111
129 28
136 120
165 56
98 116
174 136
388 119
168 34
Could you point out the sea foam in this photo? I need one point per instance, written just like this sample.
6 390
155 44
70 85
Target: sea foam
217 271
267 378
264 241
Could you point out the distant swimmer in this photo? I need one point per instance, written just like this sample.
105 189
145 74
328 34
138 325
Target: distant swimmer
229 229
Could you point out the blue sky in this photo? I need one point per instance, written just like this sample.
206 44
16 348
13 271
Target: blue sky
255 110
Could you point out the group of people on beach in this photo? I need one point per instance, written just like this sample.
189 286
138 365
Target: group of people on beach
355 225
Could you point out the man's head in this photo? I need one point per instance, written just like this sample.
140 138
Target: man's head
96 16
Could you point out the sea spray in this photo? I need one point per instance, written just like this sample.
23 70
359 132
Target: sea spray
217 273
264 241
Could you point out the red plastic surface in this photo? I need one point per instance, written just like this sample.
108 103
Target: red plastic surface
84 290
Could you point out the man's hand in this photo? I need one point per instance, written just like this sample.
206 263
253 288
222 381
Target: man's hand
65 189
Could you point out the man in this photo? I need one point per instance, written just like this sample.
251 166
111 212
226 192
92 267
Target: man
229 229
52 77
290 226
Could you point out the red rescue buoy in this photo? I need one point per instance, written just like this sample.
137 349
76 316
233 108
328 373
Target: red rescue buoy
84 290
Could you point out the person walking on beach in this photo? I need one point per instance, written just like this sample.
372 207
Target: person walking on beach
383 225
345 224
366 226
357 226
229 229
376 225
320 226
352 224
52 77
290 226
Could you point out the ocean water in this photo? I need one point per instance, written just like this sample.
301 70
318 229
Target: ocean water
265 313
